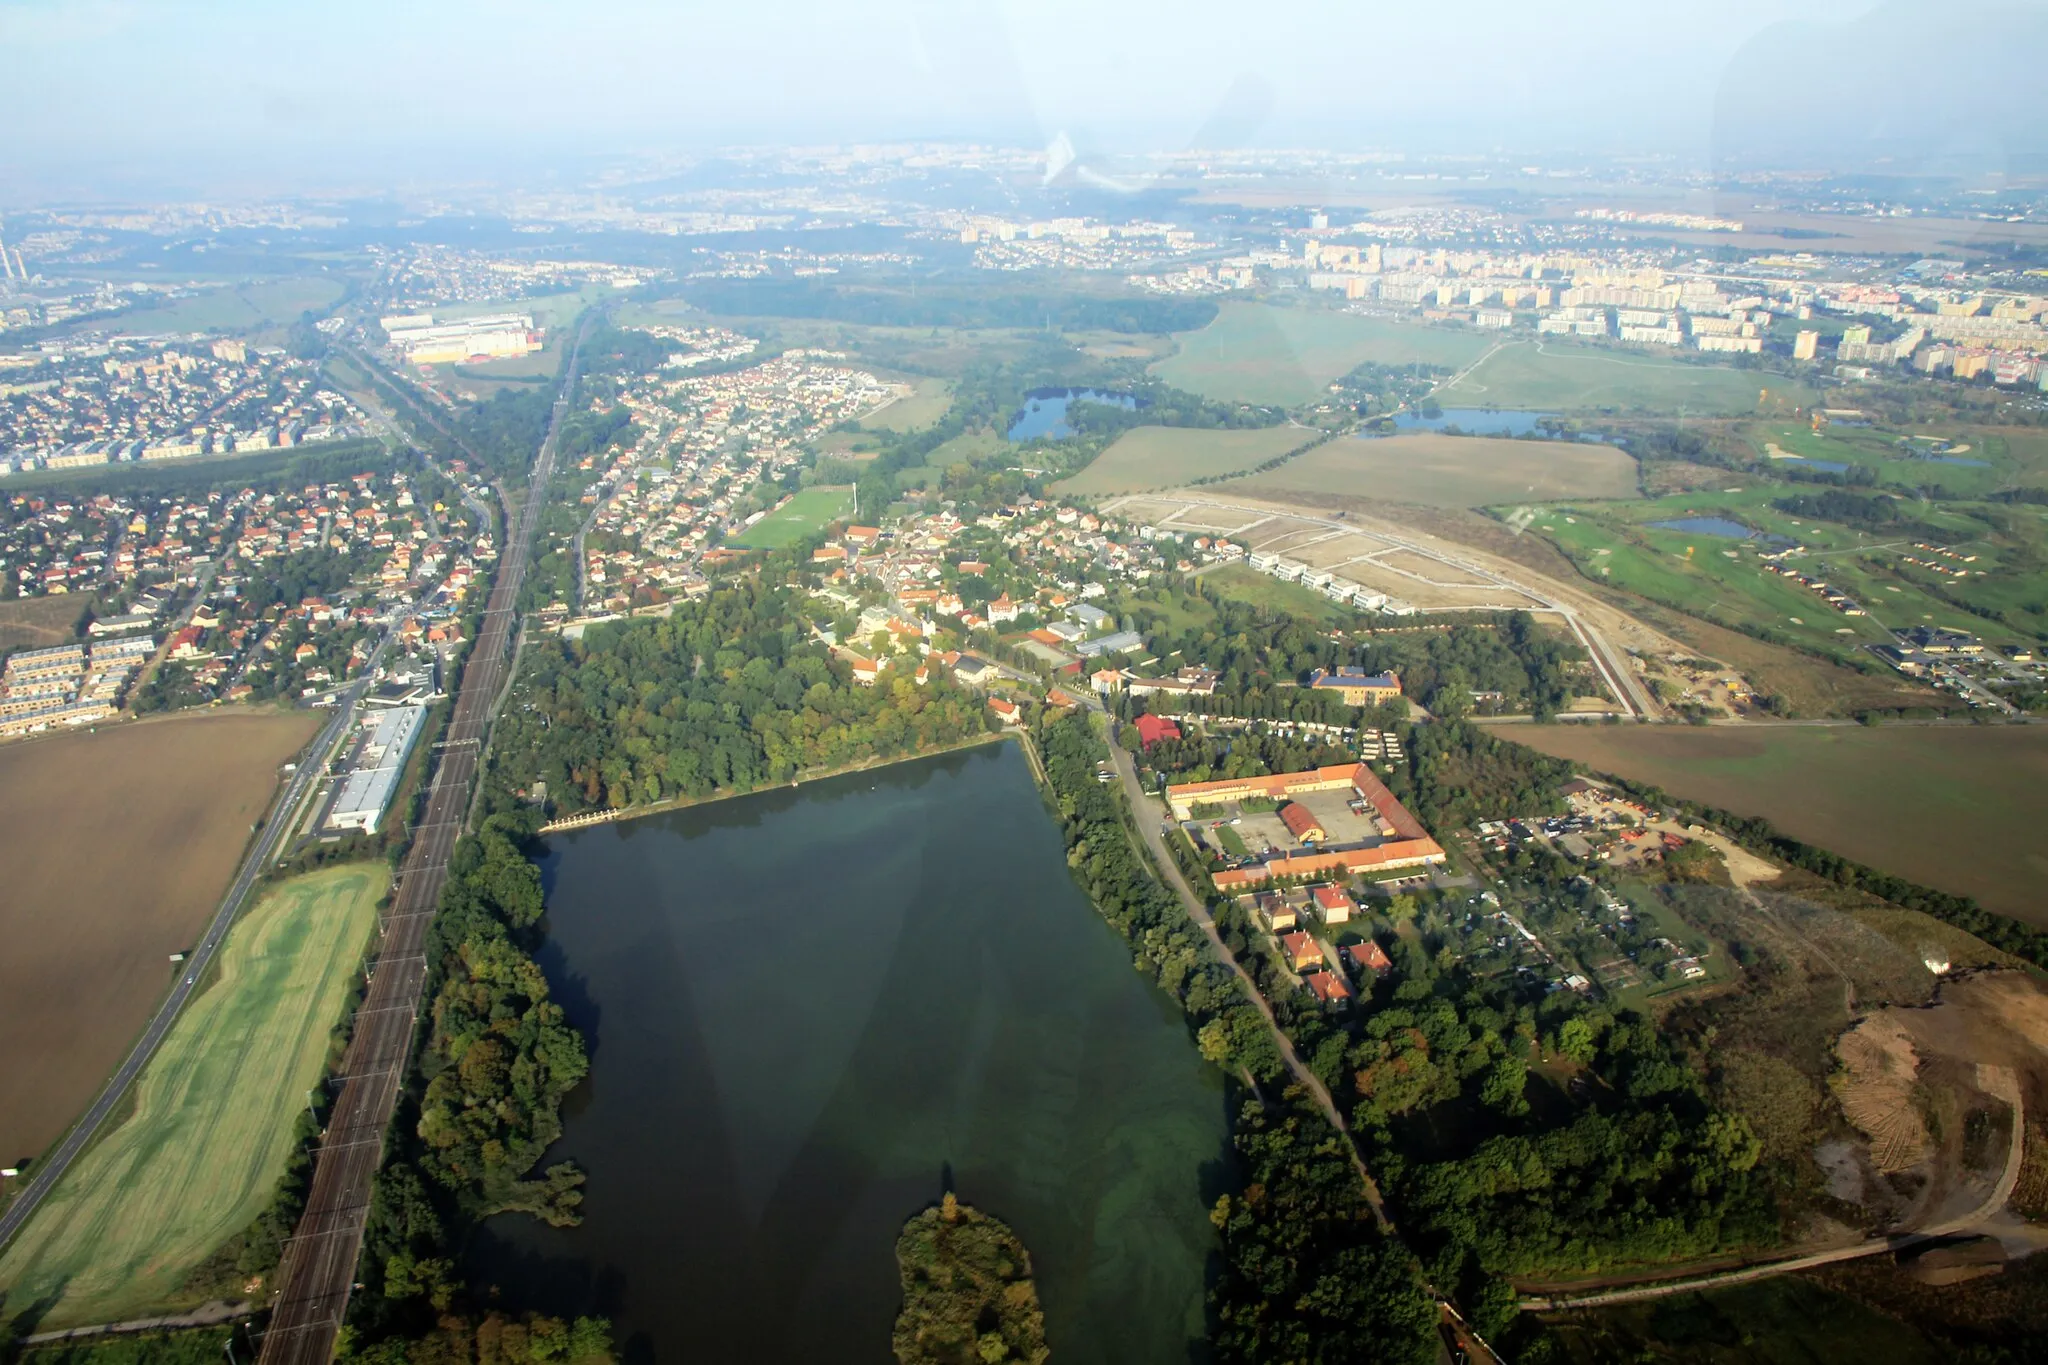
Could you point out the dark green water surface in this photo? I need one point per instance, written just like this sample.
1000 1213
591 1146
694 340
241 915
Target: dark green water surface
811 1007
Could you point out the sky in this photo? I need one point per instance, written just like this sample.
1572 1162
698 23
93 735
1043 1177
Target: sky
100 93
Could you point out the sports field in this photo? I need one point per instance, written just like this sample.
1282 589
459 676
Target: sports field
1258 353
1955 807
1450 471
117 847
211 1126
803 515
1559 376
1167 457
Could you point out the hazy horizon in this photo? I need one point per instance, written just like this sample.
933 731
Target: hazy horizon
114 98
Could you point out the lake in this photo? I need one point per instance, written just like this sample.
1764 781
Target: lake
811 1007
1045 411
1474 421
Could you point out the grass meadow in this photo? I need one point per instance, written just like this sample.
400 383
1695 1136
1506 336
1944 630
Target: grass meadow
1259 353
1953 806
925 404
212 1114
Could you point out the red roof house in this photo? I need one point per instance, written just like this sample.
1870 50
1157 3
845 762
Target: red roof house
1152 729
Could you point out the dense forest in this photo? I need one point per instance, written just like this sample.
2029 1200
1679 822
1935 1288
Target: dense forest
968 1298
1306 1277
728 694
505 431
483 1105
1458 773
499 1056
1252 648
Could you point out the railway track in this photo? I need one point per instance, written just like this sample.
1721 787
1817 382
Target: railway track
317 1274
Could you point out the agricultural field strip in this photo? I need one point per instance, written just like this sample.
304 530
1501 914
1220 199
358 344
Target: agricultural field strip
324 745
1613 669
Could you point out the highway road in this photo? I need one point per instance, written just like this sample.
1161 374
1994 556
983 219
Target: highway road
312 1285
276 827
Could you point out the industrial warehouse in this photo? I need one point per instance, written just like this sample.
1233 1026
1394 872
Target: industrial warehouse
1337 821
374 767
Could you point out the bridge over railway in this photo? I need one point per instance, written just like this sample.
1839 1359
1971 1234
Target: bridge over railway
318 1270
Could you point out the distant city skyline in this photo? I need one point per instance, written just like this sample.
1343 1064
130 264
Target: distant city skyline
116 97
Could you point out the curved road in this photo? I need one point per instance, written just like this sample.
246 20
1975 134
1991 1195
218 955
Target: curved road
276 825
1134 794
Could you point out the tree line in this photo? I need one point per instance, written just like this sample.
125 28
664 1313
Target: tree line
730 693
1306 1275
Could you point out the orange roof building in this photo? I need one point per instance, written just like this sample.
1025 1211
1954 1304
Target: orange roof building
1330 989
1408 846
1302 823
1302 950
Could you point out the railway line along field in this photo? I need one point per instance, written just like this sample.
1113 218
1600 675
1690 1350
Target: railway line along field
117 846
210 1131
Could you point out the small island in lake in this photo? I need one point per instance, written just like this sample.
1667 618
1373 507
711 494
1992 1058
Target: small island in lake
967 1291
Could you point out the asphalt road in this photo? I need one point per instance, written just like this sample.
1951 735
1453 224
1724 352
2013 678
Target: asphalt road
312 1285
276 827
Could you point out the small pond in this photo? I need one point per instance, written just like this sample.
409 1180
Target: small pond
1707 526
1474 421
1045 411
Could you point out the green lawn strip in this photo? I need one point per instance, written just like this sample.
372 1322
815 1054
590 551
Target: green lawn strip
211 1127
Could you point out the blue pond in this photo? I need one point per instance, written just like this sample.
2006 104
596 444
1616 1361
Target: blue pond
1707 526
1963 460
1045 411
1830 466
1478 421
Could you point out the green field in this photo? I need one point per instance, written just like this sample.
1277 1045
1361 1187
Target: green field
925 404
1559 376
237 308
1241 584
967 448
804 514
211 1123
1258 353
1725 580
1167 457
1990 458
1451 471
1953 806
